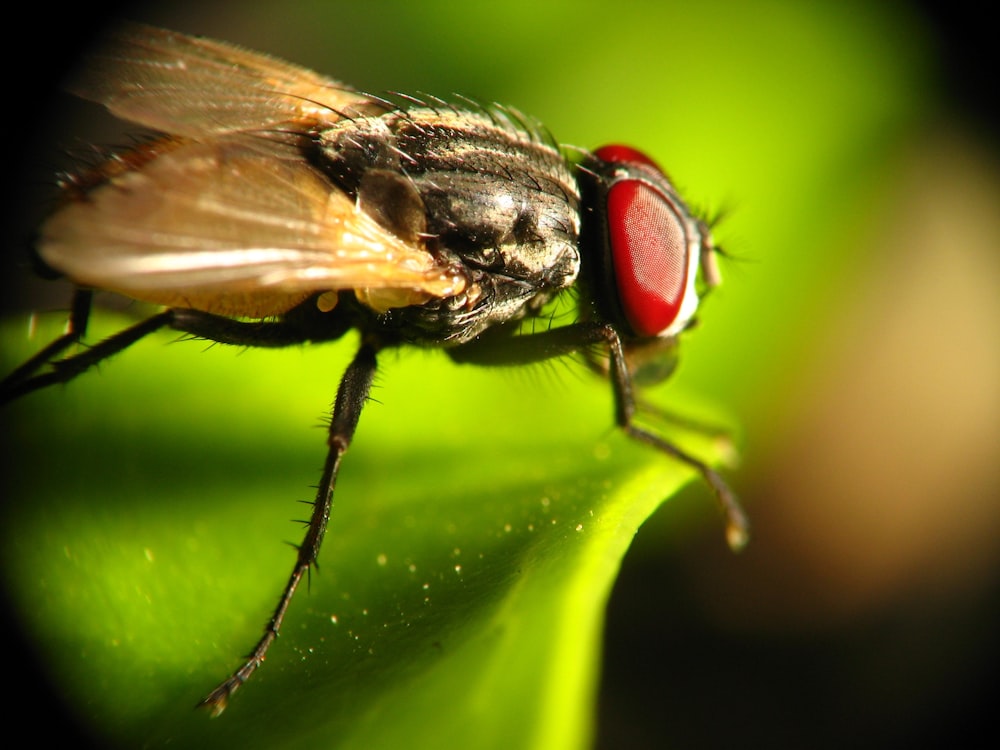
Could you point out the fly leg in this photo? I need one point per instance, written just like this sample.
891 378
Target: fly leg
28 378
351 396
76 327
582 337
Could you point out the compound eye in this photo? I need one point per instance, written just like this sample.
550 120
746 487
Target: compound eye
649 251
618 154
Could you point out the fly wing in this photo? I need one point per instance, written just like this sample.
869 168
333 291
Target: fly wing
226 227
190 86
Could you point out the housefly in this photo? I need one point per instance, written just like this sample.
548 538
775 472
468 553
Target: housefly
273 207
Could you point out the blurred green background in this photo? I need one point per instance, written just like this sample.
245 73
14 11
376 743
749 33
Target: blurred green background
855 341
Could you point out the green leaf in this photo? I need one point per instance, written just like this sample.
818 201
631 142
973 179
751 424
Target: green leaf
478 525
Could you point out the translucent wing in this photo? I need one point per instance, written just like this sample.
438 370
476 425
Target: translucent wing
226 214
227 227
191 86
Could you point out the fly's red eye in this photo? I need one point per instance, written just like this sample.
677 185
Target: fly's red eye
649 252
624 155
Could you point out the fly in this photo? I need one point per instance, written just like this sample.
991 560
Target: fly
276 207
